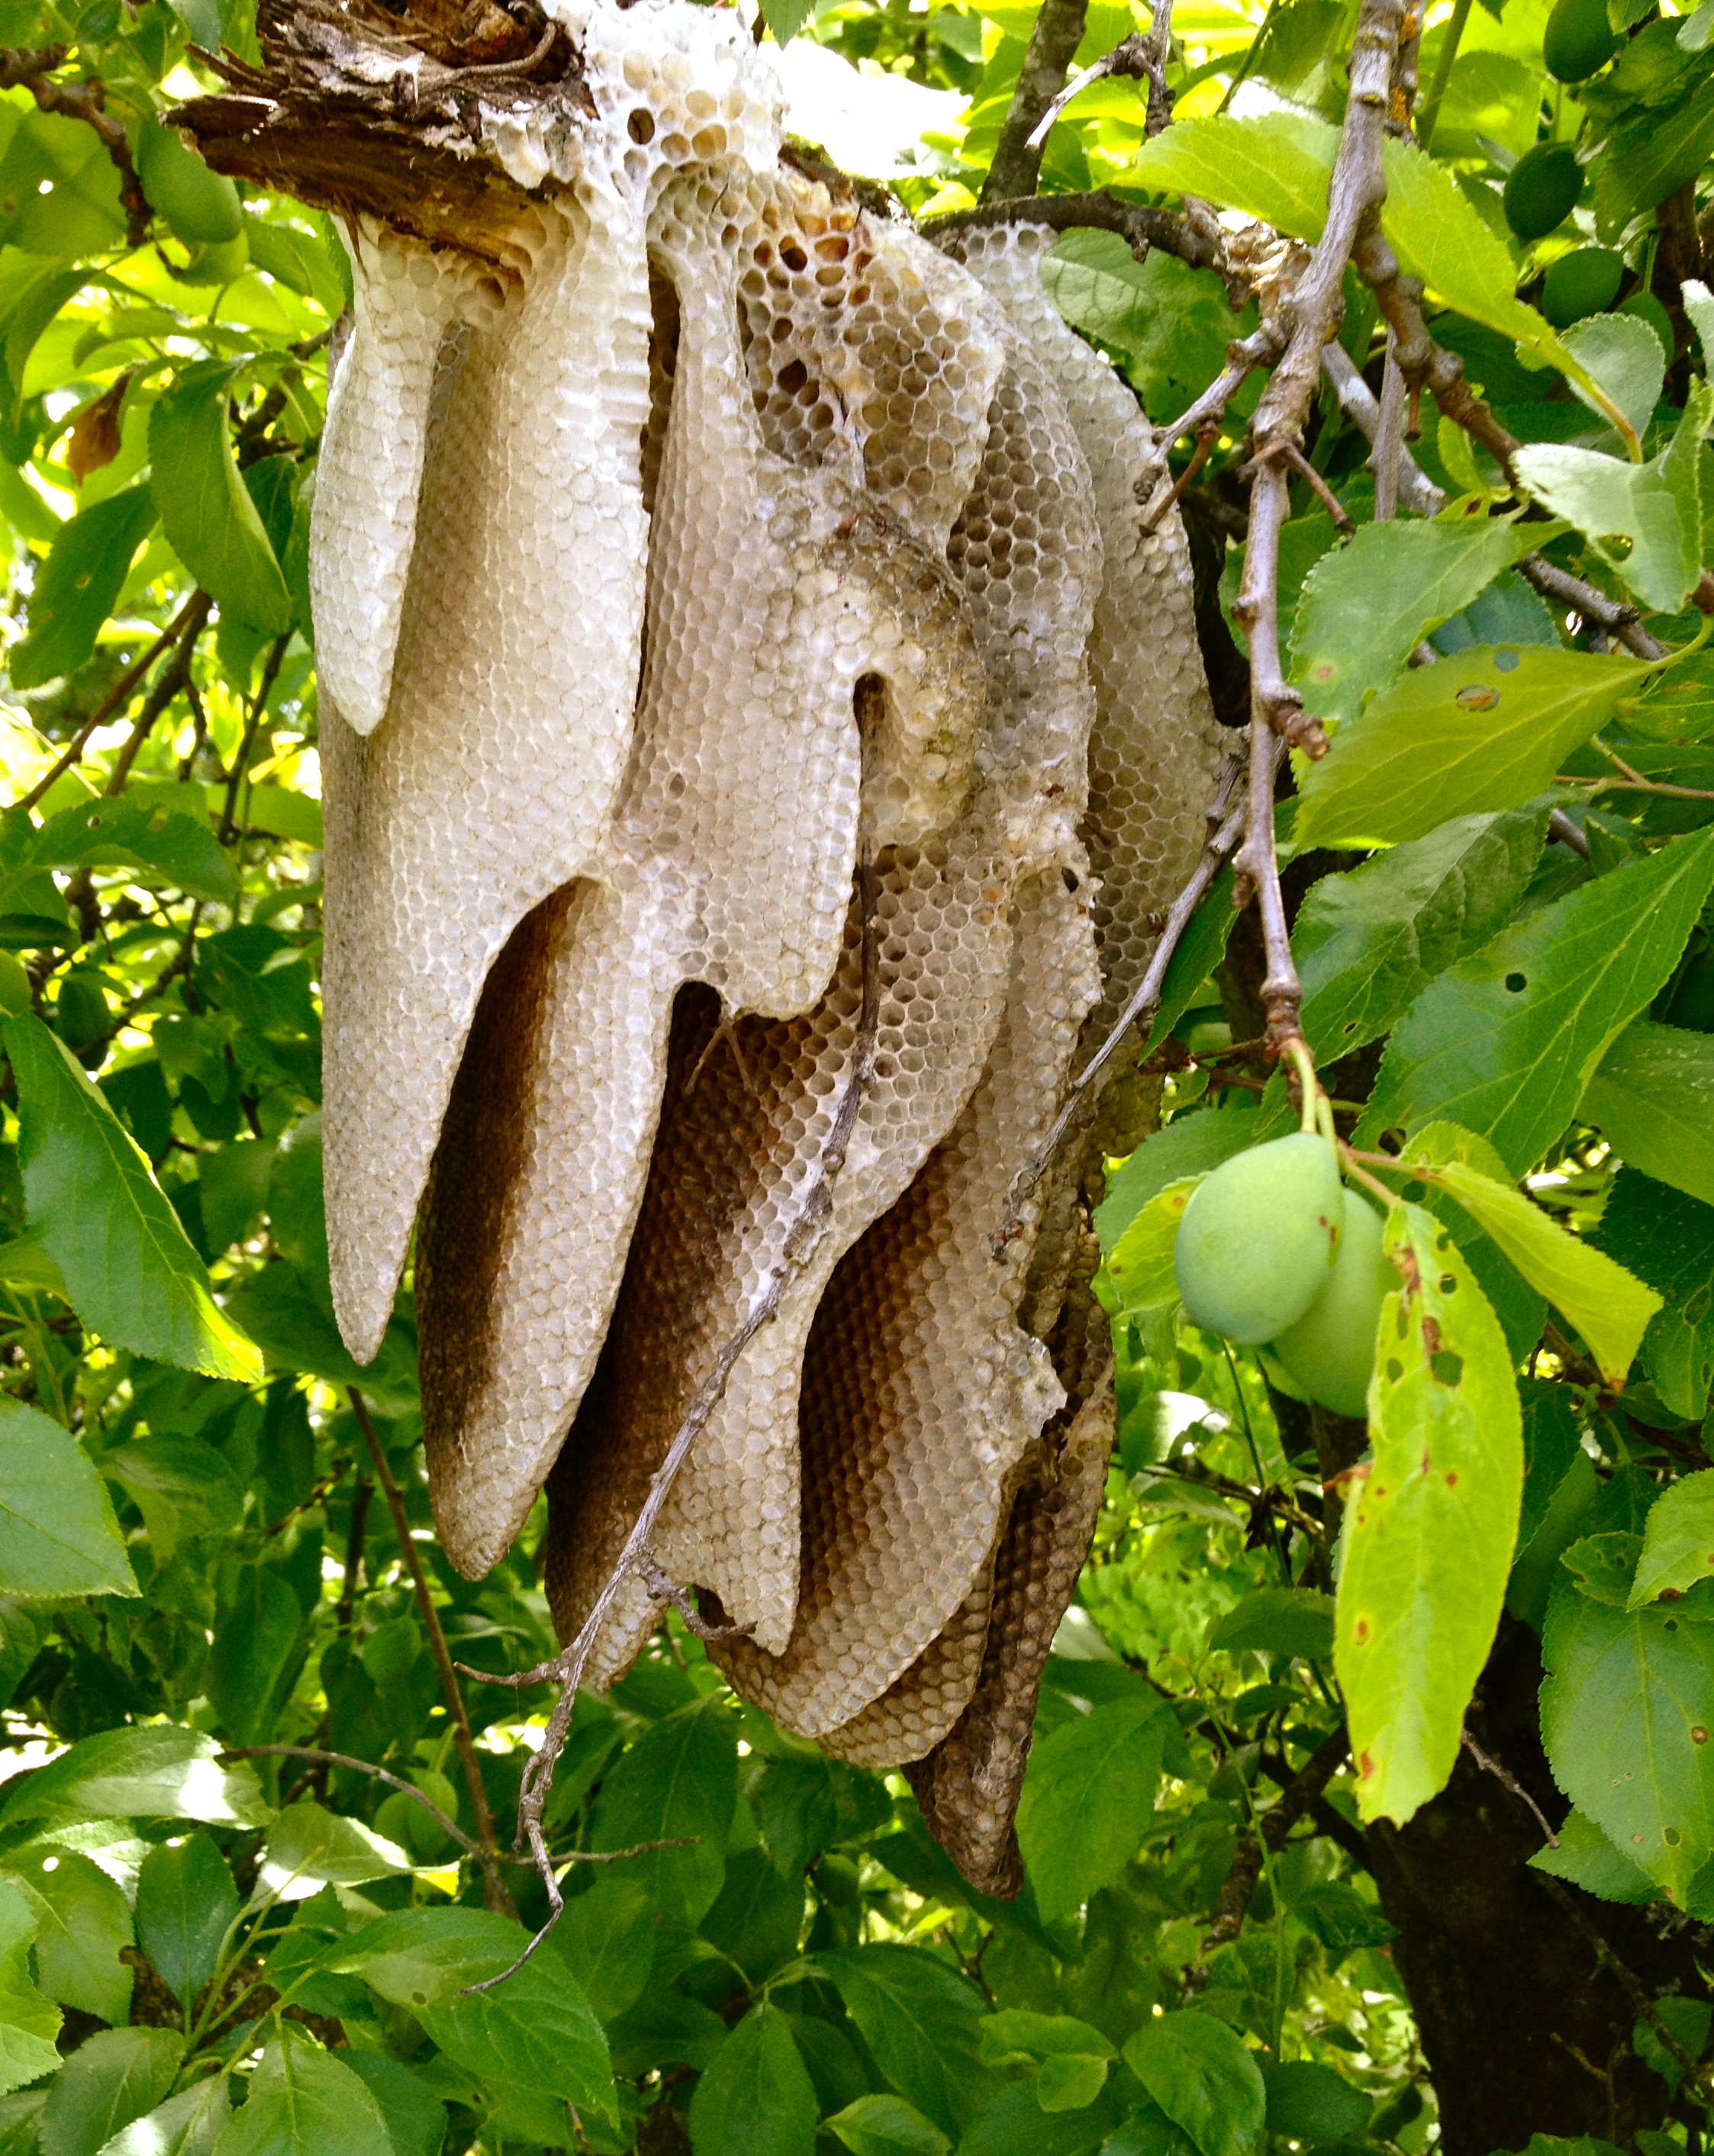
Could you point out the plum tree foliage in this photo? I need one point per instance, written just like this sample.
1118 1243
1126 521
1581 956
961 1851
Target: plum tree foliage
1371 1804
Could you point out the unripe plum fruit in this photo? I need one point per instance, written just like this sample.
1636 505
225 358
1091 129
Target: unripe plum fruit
1258 1239
1331 1350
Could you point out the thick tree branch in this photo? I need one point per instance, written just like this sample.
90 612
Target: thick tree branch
1193 238
1053 43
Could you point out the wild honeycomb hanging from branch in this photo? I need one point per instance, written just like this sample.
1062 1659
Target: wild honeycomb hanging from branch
763 729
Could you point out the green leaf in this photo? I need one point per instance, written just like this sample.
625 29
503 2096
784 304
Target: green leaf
30 296
1668 1240
113 2077
77 585
1609 1306
607 1938
185 1902
308 1847
1654 509
1439 236
1088 1796
1189 1147
1289 1621
188 2124
1368 605
536 2029
1312 2103
206 509
304 2101
1585 1858
161 846
159 1771
1275 166
416 2119
1624 356
251 1661
1650 157
1626 1693
58 1534
1505 1044
1070 2057
1652 1094
1369 941
886 2126
1678 1540
1202 2076
1604 1565
102 1217
1487 729
181 1485
679 1778
1199 952
1429 1531
786 17
28 2022
756 2099
919 2019
85 1928
1139 1265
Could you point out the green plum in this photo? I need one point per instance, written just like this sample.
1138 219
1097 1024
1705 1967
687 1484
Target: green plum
1331 1350
199 204
1541 189
1258 1237
1578 39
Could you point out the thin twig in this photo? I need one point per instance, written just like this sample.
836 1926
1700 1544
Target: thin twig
567 1668
173 679
240 761
1276 1823
1508 1780
1144 1001
1700 2077
1451 38
116 698
1243 356
495 1894
664 1588
1196 240
361 1767
1129 57
1389 445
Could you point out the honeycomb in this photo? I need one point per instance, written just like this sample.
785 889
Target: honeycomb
752 710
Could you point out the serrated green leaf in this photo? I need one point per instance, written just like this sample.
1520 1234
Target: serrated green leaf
919 2019
1649 157
1643 521
1428 1533
1087 1798
58 1534
416 2119
1667 1240
1505 1044
1652 1095
786 17
679 1779
28 2022
1486 729
188 2124
1366 606
1624 1691
1139 1265
1439 236
1624 356
1585 1858
251 1660
32 293
1275 166
85 1927
181 1485
1678 1540
756 2099
886 2126
1277 1620
1199 2072
157 1771
77 585
164 849
206 510
185 1902
1309 2102
102 1217
115 2077
309 1847
304 2101
1369 941
1609 1306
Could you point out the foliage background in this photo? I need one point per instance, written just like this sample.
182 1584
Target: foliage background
196 1534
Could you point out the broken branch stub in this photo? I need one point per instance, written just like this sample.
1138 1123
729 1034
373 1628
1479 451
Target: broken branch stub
763 729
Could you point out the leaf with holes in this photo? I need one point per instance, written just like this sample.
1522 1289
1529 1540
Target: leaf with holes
1429 1531
1366 606
1485 729
162 847
1369 941
1505 1044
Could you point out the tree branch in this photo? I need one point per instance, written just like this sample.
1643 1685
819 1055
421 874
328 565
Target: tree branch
81 100
1298 1796
115 700
1196 240
1053 43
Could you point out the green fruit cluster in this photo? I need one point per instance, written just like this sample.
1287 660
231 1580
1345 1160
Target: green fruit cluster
1273 1248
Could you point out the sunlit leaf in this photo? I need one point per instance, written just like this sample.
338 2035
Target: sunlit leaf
58 1534
1652 1095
